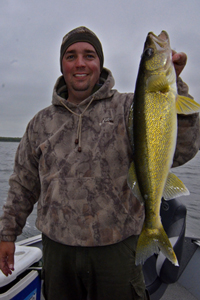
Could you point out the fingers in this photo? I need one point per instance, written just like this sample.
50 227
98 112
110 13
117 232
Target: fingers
7 250
179 58
5 268
179 61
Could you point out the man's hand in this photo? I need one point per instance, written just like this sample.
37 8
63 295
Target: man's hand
7 250
179 60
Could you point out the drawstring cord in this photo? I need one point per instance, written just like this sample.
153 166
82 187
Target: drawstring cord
79 129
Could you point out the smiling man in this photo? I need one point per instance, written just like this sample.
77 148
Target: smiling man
73 160
81 71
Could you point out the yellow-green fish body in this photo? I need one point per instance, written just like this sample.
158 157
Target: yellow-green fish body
154 134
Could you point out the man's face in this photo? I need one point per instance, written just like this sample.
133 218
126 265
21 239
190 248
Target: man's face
81 70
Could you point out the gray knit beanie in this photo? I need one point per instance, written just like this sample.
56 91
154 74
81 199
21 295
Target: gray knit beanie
81 34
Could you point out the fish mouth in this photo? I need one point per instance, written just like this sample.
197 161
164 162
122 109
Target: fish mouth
163 36
160 42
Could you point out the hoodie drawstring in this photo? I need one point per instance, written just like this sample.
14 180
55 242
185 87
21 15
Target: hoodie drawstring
79 129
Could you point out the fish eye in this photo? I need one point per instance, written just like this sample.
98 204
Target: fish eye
149 52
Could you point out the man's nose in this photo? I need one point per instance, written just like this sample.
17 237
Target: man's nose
80 61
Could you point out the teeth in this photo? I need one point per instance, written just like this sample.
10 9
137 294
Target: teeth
80 75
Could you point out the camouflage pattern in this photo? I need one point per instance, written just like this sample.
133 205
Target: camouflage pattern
188 139
83 197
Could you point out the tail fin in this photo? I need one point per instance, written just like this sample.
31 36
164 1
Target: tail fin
150 242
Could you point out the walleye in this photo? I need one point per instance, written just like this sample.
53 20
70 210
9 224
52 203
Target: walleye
153 130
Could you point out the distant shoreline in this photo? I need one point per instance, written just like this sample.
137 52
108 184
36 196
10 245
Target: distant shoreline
10 139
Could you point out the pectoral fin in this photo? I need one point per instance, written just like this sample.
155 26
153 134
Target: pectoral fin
174 187
186 105
133 183
157 83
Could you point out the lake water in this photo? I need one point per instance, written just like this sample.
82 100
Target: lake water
188 173
7 155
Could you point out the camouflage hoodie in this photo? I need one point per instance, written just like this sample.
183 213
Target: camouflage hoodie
83 197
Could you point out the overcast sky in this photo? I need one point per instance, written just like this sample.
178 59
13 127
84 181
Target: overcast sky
31 32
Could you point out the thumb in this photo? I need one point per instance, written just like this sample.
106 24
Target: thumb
11 261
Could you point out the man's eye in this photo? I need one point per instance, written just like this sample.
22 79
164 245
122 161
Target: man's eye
90 56
69 57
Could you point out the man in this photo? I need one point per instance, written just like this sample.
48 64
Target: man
73 160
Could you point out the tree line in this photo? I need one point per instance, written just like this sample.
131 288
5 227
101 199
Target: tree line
10 139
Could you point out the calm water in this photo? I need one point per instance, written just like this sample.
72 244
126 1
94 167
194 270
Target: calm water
189 174
7 154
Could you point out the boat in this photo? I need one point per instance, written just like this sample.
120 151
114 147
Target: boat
163 280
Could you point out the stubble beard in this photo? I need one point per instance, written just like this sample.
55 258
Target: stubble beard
79 88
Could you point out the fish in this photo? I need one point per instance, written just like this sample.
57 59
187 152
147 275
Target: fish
153 133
